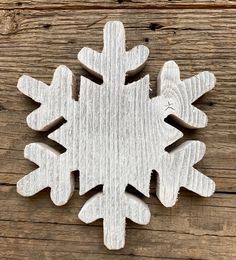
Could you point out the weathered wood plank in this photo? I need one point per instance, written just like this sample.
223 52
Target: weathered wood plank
160 244
40 209
93 4
208 223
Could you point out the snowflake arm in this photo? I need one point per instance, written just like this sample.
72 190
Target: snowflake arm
55 99
111 66
102 206
179 95
175 171
51 173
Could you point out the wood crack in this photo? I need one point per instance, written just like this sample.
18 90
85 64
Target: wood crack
128 228
125 7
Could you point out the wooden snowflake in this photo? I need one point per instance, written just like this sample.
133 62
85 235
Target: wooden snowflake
116 135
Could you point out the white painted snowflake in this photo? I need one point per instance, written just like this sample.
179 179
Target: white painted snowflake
116 135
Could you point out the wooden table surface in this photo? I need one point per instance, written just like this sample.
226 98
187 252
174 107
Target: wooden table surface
38 35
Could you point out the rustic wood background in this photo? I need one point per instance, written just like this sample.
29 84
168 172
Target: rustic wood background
38 35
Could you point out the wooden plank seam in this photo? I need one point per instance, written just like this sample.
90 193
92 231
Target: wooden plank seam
116 135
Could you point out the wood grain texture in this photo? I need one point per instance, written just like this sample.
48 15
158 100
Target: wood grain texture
197 40
46 231
115 4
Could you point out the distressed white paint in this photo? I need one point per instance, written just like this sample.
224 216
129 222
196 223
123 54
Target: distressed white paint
115 135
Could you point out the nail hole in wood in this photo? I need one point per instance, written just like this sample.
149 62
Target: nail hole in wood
47 26
155 26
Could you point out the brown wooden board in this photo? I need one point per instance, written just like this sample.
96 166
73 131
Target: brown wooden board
35 41
107 4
